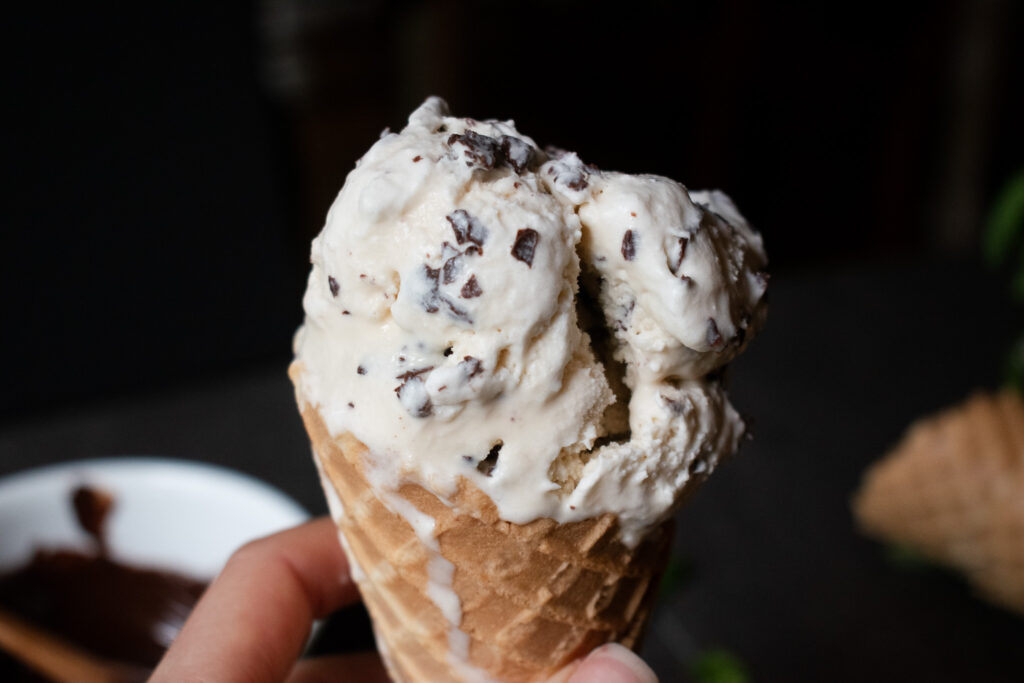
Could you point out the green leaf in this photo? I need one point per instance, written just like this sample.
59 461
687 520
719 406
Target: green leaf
1005 221
719 666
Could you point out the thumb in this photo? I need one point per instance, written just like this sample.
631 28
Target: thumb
610 663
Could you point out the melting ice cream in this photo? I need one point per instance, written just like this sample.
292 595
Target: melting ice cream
480 308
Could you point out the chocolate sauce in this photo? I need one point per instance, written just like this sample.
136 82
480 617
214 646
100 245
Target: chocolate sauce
119 612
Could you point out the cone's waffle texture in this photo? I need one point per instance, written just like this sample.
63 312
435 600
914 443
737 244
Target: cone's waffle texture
531 597
954 490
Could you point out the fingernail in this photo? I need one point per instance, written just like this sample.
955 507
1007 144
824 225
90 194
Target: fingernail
613 663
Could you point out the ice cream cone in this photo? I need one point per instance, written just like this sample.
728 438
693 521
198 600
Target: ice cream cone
953 489
455 593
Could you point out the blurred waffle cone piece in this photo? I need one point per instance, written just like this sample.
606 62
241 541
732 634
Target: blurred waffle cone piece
457 594
953 490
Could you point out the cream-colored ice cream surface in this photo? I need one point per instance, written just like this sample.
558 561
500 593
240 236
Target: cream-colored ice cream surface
443 323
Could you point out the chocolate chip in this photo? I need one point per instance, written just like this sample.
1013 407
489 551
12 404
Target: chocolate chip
431 299
448 352
487 465
713 335
411 374
333 284
473 366
467 228
629 245
417 158
424 409
412 381
454 311
345 313
576 181
480 150
679 255
518 153
351 405
360 370
452 269
471 289
487 152
525 245
568 170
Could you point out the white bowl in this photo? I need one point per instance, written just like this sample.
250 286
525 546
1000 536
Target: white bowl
177 515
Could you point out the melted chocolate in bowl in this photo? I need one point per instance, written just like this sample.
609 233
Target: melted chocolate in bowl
119 612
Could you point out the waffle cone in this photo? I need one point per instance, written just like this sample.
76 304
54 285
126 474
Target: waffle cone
953 489
472 597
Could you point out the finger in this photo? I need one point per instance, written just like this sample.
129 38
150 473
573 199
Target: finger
254 619
610 663
364 667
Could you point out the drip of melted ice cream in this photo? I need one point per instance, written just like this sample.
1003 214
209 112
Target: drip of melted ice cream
444 325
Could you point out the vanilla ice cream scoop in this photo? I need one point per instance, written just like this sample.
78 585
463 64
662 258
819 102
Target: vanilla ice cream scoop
445 326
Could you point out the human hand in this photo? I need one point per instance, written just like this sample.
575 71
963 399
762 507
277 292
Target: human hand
253 622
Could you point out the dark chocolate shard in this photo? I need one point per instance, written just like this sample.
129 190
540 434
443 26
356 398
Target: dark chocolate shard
413 374
525 245
412 380
629 245
448 352
417 158
454 311
568 171
479 150
471 366
431 298
452 269
467 228
333 285
360 370
518 153
471 289
487 465
713 335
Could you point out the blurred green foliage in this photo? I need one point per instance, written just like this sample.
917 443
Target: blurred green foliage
1003 246
719 666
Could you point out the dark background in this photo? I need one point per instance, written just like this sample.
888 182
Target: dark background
168 163
167 166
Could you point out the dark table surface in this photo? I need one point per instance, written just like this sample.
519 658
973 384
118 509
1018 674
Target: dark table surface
771 567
